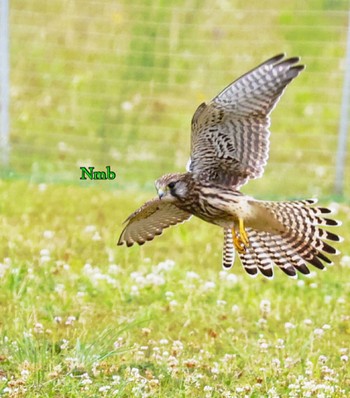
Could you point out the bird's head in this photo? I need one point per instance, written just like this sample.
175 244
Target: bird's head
172 187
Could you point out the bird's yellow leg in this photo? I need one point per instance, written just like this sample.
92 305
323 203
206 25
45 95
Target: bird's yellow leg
237 242
240 241
243 232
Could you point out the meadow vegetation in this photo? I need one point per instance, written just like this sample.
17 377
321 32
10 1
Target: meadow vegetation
81 317
96 83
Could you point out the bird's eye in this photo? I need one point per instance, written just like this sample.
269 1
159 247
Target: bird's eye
171 185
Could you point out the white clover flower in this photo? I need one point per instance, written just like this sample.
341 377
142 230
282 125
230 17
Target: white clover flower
59 288
155 280
48 234
318 332
263 346
288 362
139 355
166 265
265 307
44 258
96 237
215 369
307 322
146 331
163 341
3 269
173 303
177 347
221 303
116 379
42 187
280 344
127 106
114 269
223 274
38 328
135 371
209 285
104 388
27 334
169 295
322 359
272 393
235 308
344 358
309 368
326 327
172 361
345 261
70 320
232 279
289 326
192 275
25 373
118 343
90 228
229 357
64 344
134 290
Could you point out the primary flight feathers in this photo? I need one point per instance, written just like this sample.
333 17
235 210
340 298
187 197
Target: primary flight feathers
229 146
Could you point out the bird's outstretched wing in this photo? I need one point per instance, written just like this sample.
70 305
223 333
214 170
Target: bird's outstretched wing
150 220
230 134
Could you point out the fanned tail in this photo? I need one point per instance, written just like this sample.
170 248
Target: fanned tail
301 242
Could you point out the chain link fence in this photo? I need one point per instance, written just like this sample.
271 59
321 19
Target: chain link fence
97 83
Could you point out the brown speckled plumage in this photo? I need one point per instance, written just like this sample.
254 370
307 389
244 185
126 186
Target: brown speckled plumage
229 146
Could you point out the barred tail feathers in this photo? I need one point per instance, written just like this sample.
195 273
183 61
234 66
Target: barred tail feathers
228 254
301 241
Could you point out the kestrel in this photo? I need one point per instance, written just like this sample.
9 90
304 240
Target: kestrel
229 146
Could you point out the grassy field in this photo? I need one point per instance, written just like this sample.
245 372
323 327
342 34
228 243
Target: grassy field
116 83
81 317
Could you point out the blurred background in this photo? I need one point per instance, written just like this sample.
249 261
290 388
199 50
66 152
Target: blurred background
96 83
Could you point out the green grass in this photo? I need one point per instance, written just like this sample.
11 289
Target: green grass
106 83
81 317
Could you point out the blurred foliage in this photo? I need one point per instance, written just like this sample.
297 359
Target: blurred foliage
116 83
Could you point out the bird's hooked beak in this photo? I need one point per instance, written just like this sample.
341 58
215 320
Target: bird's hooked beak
161 189
161 193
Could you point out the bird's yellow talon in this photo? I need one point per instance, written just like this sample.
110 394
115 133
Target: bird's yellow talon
243 233
240 239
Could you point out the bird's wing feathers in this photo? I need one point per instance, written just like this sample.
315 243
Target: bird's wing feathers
150 220
230 135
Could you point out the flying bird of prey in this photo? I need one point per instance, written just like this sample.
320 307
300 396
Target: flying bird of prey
229 146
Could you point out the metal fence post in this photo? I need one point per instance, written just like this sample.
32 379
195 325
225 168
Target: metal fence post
343 125
4 83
